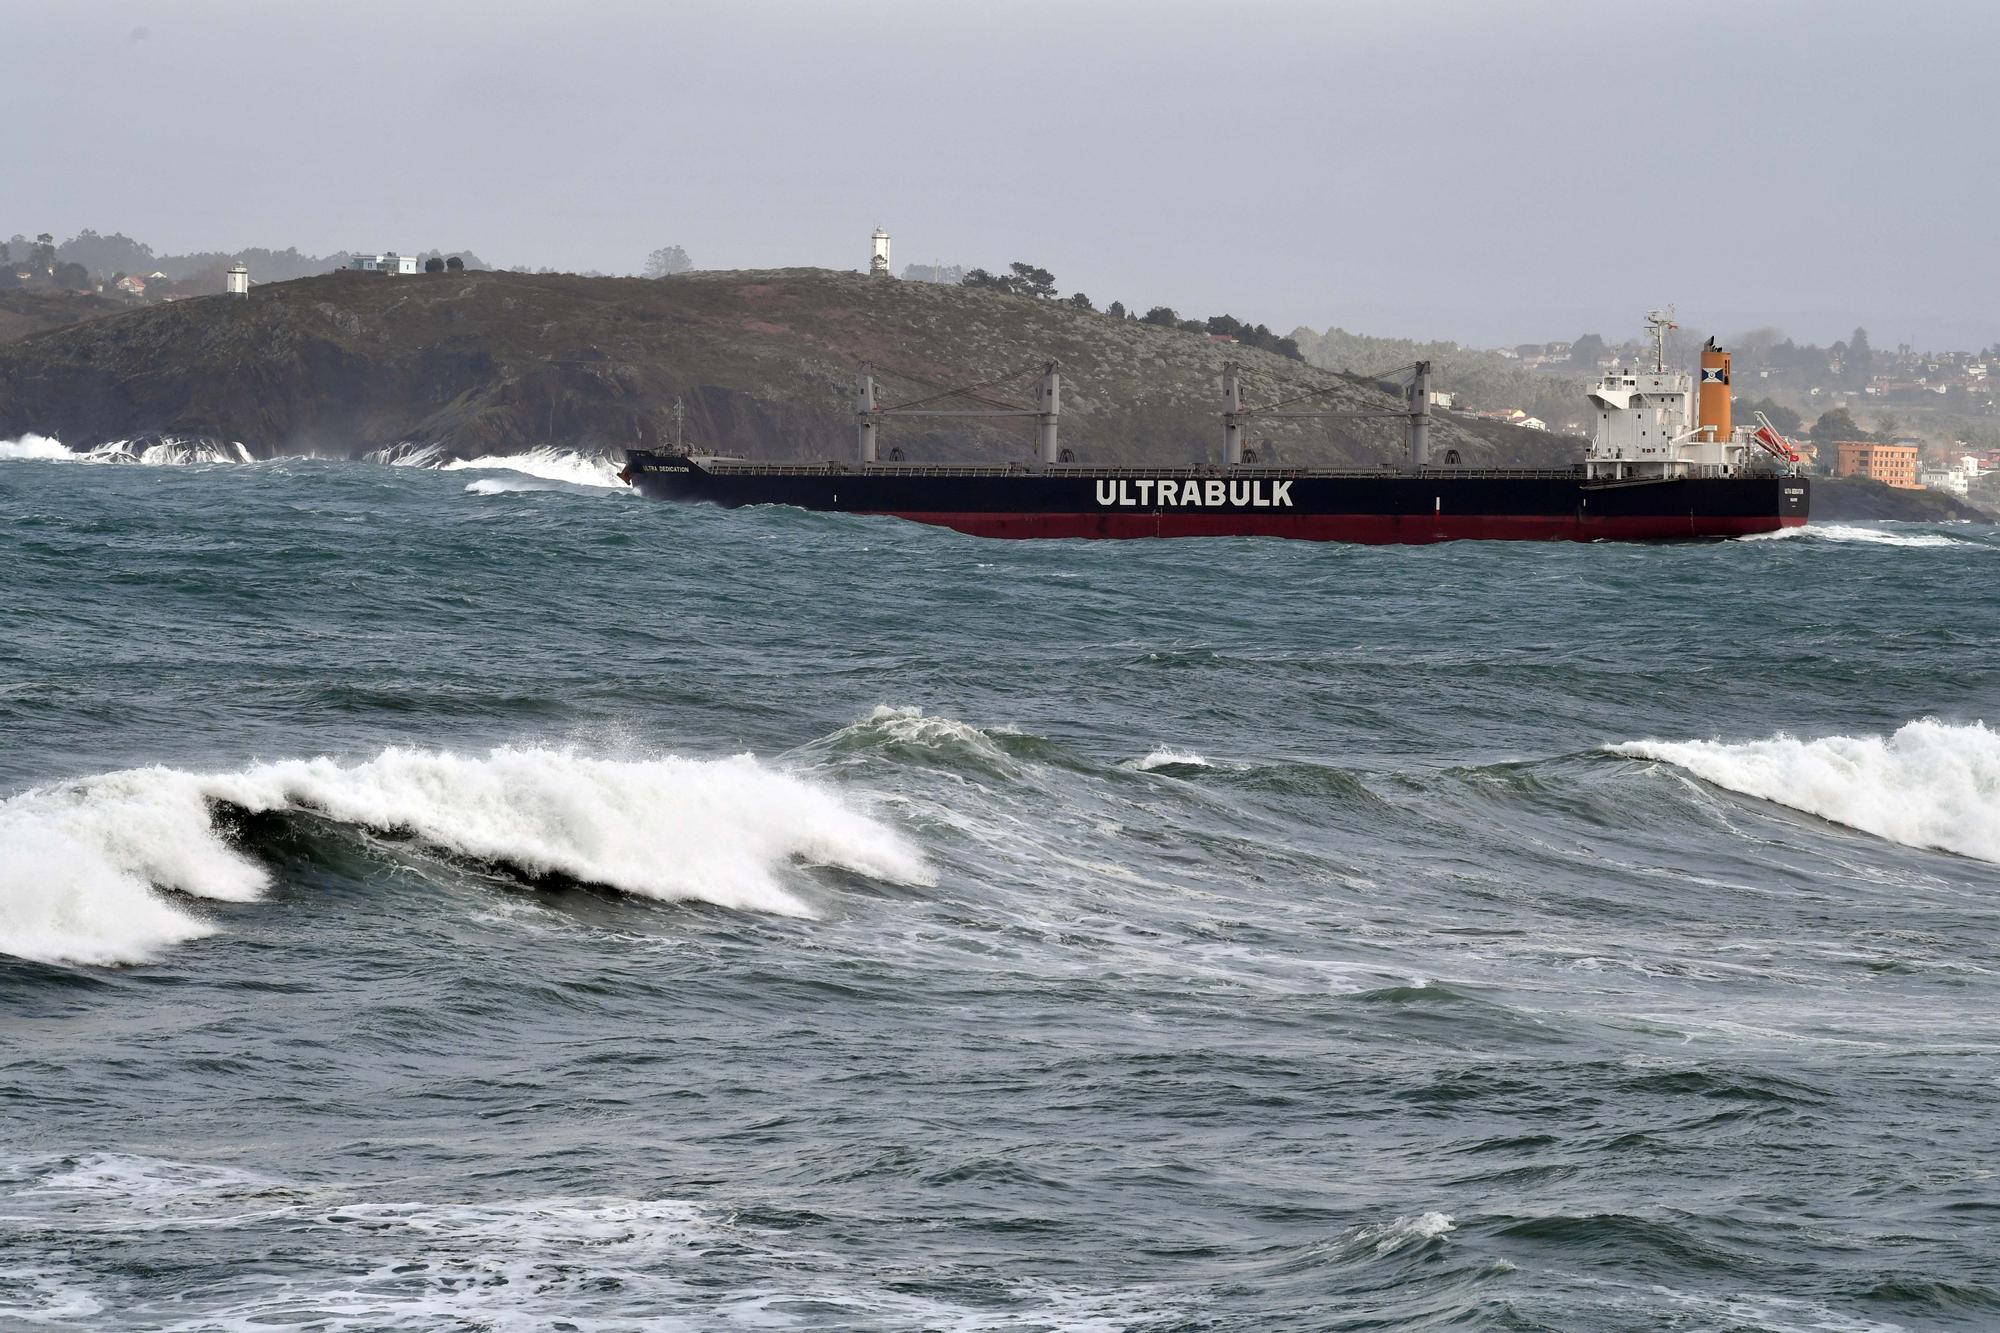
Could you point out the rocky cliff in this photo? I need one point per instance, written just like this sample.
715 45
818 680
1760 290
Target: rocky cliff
484 363
1858 497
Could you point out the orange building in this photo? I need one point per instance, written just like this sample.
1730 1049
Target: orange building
1890 464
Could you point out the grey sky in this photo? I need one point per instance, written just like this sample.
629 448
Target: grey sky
1489 172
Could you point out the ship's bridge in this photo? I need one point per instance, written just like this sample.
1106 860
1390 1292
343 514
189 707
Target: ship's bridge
1648 426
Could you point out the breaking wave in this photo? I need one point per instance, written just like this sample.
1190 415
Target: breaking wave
561 465
410 453
1842 532
1165 757
1932 784
80 861
36 448
1406 1232
155 450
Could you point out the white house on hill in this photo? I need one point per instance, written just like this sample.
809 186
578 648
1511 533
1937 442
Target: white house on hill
388 263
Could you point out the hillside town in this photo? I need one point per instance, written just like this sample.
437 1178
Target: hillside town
1909 419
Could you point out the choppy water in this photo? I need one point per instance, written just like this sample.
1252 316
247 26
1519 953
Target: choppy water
473 899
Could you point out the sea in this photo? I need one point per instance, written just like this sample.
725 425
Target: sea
473 897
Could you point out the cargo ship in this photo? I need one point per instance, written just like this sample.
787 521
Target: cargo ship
1665 462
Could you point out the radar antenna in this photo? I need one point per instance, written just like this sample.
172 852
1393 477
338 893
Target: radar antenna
1658 324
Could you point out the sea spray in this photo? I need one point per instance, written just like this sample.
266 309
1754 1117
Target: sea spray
1931 784
562 465
36 449
153 450
78 862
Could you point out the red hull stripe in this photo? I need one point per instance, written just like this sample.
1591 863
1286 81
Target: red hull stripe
1372 529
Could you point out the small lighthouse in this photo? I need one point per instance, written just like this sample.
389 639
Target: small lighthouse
878 257
237 281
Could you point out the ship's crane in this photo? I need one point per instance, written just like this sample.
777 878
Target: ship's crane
1417 413
1047 410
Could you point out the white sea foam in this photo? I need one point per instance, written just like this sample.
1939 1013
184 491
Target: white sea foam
79 861
78 864
1931 784
1166 757
585 1262
1408 1231
913 726
562 465
156 451
1842 532
36 449
409 453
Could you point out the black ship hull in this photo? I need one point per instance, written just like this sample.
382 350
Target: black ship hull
1384 507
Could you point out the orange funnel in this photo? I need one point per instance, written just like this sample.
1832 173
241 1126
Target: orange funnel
1712 417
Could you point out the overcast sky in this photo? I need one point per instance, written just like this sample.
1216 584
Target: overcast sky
1491 172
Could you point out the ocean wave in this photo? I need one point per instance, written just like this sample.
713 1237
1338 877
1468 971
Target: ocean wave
1406 1232
1842 532
1166 757
563 465
411 453
910 734
80 862
1932 784
562 1260
37 449
152 450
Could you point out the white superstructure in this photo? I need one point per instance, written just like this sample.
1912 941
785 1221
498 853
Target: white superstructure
1649 427
1659 425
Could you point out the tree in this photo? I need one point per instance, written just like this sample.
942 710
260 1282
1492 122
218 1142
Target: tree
1163 315
1081 302
1032 281
667 261
1116 310
1786 420
433 265
72 277
102 254
1860 362
1886 425
1585 351
980 278
454 265
43 257
1835 425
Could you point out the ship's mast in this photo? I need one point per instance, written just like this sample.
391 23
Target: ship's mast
1658 323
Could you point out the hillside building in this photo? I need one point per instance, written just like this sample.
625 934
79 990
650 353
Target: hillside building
1890 464
384 263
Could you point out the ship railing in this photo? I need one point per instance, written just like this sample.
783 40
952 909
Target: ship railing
778 469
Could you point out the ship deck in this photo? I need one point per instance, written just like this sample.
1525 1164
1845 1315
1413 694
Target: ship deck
745 467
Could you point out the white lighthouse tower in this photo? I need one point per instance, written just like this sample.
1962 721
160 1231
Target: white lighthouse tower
878 258
237 281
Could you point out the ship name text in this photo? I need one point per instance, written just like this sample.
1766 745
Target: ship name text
1212 493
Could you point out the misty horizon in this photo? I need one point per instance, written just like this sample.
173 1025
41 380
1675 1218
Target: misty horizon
1439 172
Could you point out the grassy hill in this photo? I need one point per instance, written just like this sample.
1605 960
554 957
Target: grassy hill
764 361
27 310
1481 380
